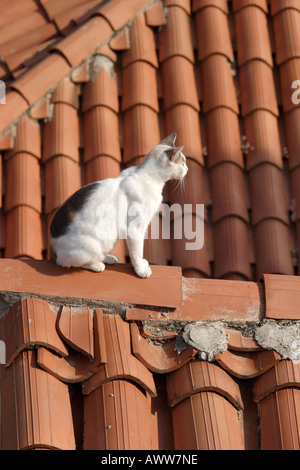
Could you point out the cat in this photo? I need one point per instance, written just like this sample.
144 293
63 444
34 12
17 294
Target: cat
87 226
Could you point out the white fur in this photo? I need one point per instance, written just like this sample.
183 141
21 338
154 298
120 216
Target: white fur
136 187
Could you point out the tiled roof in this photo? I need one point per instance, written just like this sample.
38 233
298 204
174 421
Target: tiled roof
91 86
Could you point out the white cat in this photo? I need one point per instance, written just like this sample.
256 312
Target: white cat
87 226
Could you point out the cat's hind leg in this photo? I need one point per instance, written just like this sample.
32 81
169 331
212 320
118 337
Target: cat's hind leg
110 259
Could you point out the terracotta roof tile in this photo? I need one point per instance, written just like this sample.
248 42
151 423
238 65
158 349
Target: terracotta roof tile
139 86
55 8
276 201
262 135
239 4
185 4
175 39
62 178
14 10
21 25
235 259
252 36
101 134
155 16
15 106
246 365
30 322
23 233
142 43
272 246
281 294
185 120
76 14
289 71
224 123
213 36
229 199
28 138
66 92
23 182
257 88
176 73
75 326
279 5
61 133
218 85
286 33
37 406
101 167
199 4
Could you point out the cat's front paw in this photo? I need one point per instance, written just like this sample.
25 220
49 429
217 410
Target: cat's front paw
143 269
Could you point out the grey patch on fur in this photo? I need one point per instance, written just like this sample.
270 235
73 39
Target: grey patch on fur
208 338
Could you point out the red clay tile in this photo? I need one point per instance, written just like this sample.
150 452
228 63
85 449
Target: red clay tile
286 26
200 393
175 38
295 187
179 86
40 78
278 412
29 39
262 135
28 138
75 326
229 198
36 411
118 16
218 88
212 32
284 374
102 90
184 120
61 134
279 5
23 184
231 232
23 24
239 4
23 233
140 133
77 14
62 178
16 10
100 168
41 110
120 362
185 4
289 72
55 7
272 248
6 143
71 369
206 300
139 86
282 296
246 365
118 283
224 123
105 50
117 416
257 88
252 36
101 133
199 4
155 15
268 194
81 74
82 42
279 399
238 342
160 359
292 121
30 322
142 43
66 92
121 42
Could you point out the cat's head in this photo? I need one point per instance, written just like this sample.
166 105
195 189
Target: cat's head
167 159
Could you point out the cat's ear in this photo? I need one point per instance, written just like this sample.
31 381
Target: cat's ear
170 140
172 153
